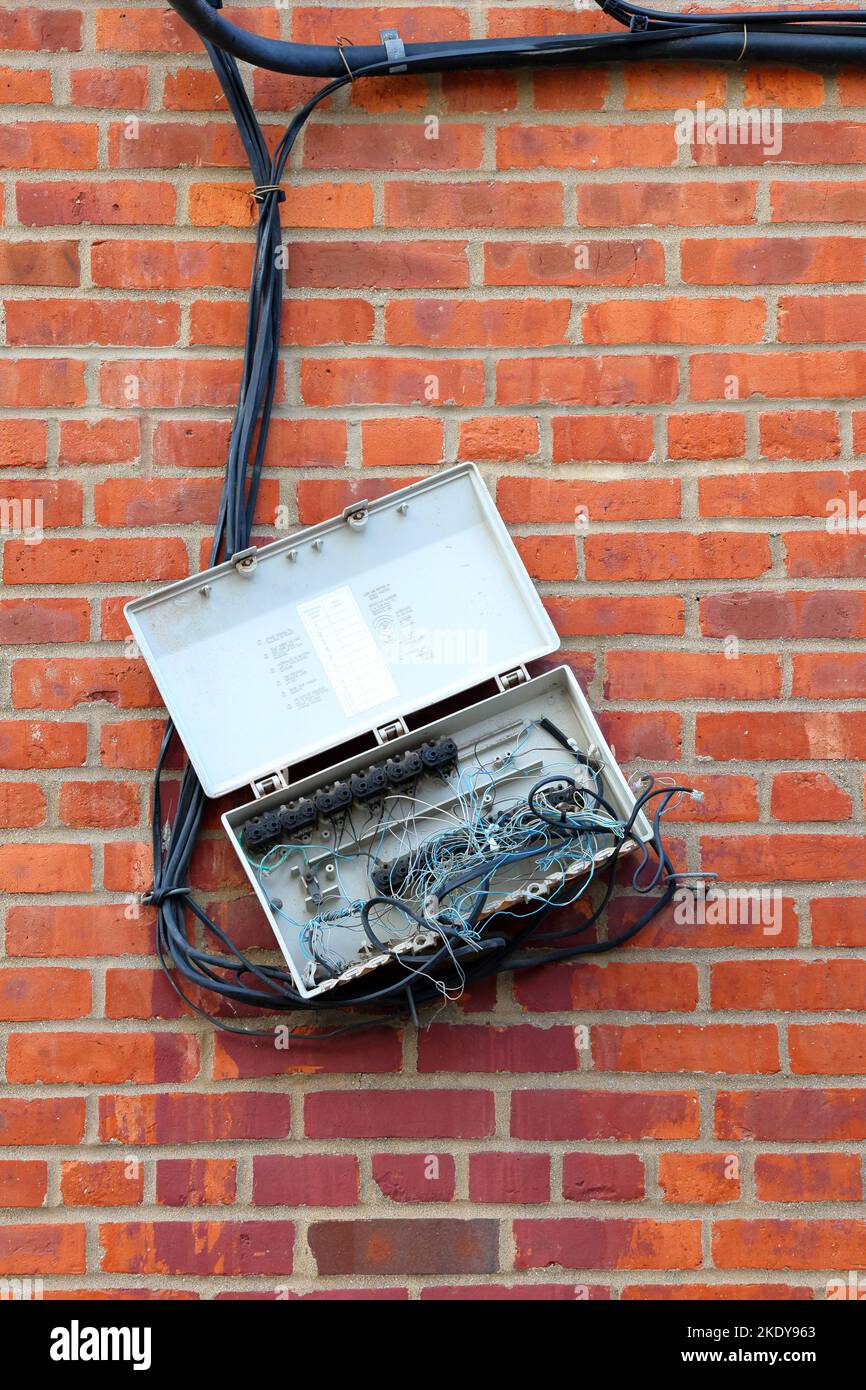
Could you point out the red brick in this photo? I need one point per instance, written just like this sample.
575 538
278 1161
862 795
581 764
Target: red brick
699 1178
111 1183
808 796
396 146
414 1177
641 380
197 1247
585 147
161 31
100 441
674 321
48 145
808 1177
589 1177
718 1293
663 87
69 322
583 1114
828 1049
196 1182
101 1059
27 743
30 868
23 1182
602 616
384 442
392 381
789 1244
612 438
829 676
35 263
549 557
92 930
796 201
124 559
42 383
771 260
23 444
615 985
793 1113
623 263
77 202
803 434
473 204
125 88
783 86
305 322
376 1050
691 204
308 1180
176 1118
608 1244
715 1047
22 804
545 500
428 1114
476 323
566 89
662 675
428 1245
731 375
47 31
677 555
767 614
512 1178
706 436
785 858
839 921
42 1250
783 734
66 682
103 804
54 1121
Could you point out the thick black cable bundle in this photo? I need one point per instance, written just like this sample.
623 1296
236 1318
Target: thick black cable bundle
229 972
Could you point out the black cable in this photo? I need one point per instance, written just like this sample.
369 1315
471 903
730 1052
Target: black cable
233 975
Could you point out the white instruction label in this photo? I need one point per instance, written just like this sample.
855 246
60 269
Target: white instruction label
347 649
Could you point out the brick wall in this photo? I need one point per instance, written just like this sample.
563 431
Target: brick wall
654 352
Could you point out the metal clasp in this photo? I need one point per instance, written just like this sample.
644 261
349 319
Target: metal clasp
245 561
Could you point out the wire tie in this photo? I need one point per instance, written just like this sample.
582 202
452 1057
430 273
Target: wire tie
341 44
745 44
263 189
155 897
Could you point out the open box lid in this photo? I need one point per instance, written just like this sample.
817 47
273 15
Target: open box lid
335 631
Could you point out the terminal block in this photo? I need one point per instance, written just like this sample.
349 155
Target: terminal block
403 769
333 799
439 755
298 815
371 783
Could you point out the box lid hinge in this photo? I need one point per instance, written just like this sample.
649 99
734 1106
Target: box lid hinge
273 782
396 728
517 675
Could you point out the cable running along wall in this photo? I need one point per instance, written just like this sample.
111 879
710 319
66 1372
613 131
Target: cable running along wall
221 967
